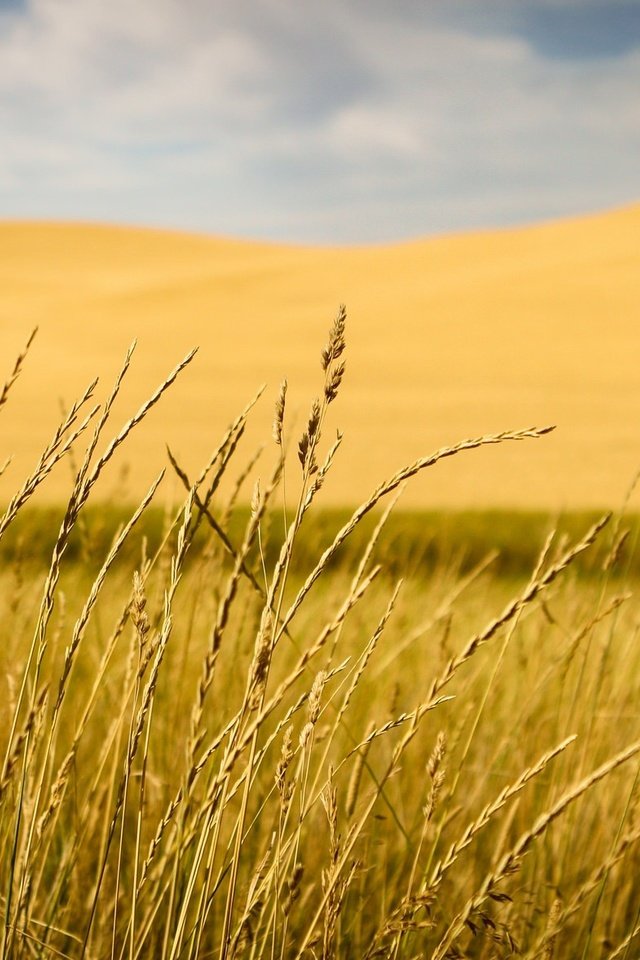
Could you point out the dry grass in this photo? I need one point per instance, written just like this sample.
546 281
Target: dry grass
238 752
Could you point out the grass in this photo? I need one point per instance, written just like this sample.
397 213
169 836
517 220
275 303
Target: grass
415 541
280 731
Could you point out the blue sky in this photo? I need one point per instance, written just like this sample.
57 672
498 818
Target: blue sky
345 121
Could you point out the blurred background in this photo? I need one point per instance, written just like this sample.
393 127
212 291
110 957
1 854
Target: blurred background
464 176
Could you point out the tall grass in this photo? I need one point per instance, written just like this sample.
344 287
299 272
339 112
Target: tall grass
222 744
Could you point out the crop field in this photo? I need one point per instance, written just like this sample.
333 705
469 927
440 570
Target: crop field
449 337
237 721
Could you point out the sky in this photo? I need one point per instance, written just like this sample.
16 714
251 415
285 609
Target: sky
333 122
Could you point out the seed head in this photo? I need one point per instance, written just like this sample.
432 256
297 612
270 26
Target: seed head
336 344
278 420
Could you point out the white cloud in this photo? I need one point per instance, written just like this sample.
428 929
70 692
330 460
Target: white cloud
285 119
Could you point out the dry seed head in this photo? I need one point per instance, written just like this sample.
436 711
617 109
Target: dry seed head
313 709
284 788
31 723
256 500
329 799
245 936
436 757
437 775
434 793
321 472
336 343
278 420
261 658
293 888
333 381
57 793
138 612
146 655
307 441
318 480
554 914
305 735
303 449
314 419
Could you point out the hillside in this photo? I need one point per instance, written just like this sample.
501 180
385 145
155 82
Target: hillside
447 338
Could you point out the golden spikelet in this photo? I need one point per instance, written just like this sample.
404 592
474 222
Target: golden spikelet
335 347
262 658
554 913
278 420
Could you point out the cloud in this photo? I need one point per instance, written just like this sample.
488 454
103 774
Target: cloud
333 122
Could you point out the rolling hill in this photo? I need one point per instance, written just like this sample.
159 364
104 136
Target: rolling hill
448 338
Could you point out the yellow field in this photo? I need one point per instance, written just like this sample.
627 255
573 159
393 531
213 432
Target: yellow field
447 338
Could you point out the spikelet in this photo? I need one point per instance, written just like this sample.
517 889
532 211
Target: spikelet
261 659
313 708
293 888
309 438
278 420
334 380
336 344
57 794
140 620
32 722
256 500
554 913
284 787
436 774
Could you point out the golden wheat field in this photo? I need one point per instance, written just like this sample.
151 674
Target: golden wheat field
449 337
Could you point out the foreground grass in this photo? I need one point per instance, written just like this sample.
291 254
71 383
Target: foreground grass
222 741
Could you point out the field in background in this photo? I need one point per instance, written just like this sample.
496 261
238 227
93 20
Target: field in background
449 337
416 543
